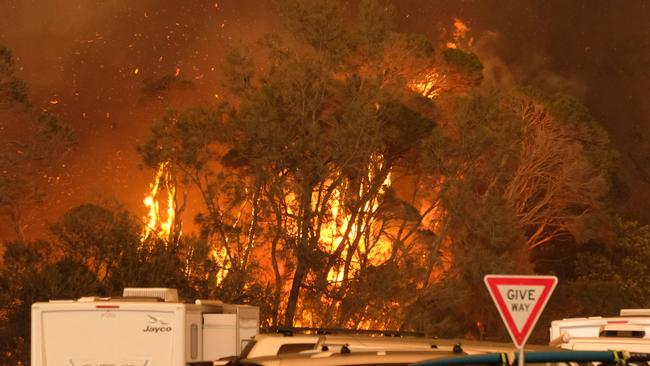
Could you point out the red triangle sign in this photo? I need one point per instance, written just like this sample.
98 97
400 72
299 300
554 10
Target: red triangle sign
520 301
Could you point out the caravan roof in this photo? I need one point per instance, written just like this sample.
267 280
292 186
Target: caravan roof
630 332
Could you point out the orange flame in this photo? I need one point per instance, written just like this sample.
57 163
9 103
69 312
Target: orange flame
375 252
460 34
160 222
432 82
429 85
220 256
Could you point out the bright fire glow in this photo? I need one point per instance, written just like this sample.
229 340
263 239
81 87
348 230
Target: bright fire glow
334 234
160 218
220 256
460 32
429 85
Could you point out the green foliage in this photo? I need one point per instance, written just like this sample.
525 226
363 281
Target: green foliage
33 141
402 127
12 189
622 263
6 60
53 136
97 237
517 176
239 70
321 128
29 275
572 113
186 138
12 89
15 90
375 23
599 277
417 45
157 85
319 24
96 252
465 61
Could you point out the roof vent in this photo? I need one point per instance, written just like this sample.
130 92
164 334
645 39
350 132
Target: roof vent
635 312
166 294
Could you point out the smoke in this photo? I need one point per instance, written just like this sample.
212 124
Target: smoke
88 62
596 51
534 68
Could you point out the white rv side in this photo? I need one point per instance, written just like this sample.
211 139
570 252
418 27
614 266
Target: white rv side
630 332
138 330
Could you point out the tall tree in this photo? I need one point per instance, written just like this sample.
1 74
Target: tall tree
193 143
323 128
32 142
301 159
520 170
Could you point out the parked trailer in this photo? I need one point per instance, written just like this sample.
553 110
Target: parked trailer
630 332
144 327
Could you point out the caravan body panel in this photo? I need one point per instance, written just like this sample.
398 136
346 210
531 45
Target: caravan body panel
74 333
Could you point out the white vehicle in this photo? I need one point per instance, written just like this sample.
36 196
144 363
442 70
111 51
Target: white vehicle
629 332
145 327
265 345
331 358
274 344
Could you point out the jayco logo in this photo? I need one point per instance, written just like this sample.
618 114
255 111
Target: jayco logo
157 325
150 329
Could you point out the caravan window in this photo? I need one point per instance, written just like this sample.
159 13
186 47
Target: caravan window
622 333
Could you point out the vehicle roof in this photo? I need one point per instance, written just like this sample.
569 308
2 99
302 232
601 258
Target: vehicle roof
475 346
378 341
535 357
608 343
627 319
617 340
270 344
352 358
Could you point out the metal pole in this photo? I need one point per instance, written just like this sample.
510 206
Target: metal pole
521 356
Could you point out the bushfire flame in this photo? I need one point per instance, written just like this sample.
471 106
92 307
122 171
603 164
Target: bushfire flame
220 256
160 204
160 219
460 33
334 232
429 85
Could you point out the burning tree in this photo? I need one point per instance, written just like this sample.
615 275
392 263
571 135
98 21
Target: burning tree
521 170
323 129
302 161
192 144
326 182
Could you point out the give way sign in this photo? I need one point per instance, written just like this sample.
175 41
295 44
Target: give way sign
520 301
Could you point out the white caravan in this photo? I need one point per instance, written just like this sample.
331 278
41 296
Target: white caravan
144 327
629 332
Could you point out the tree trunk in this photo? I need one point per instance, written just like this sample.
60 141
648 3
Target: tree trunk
294 293
16 221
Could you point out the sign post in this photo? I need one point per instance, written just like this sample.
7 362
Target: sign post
520 301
